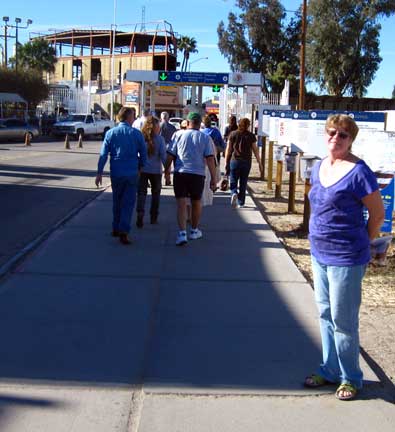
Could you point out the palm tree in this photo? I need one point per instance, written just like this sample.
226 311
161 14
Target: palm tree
187 45
37 54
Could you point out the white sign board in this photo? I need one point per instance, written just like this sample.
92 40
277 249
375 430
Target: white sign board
253 95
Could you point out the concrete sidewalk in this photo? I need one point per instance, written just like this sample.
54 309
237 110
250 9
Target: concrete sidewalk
217 335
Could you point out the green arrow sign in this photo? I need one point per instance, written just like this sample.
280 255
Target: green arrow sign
163 76
216 88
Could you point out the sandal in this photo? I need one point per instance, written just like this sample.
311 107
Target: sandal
346 387
314 381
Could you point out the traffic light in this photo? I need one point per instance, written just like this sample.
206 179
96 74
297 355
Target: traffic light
216 88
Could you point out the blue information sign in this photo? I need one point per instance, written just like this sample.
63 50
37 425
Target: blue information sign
388 199
194 77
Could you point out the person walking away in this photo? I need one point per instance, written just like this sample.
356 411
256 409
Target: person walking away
128 152
152 171
232 126
190 151
167 131
342 185
215 135
238 157
138 123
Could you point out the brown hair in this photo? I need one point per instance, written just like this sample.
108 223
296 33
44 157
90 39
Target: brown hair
344 121
207 121
244 124
125 112
148 131
232 121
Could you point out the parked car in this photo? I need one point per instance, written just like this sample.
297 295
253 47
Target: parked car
16 129
82 125
176 121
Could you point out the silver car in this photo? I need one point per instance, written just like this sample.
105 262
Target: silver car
16 129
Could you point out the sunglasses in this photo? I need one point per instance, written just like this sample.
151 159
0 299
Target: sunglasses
333 132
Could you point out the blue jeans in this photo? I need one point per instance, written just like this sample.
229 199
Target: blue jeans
338 295
123 199
239 171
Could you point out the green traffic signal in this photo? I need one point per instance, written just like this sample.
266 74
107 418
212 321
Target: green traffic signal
163 76
216 89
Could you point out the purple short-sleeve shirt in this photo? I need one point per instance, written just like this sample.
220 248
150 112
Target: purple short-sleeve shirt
337 231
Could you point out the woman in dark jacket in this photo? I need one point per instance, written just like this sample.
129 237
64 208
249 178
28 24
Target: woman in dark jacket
238 157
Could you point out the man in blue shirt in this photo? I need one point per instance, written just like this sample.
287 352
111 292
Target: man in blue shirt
128 153
190 151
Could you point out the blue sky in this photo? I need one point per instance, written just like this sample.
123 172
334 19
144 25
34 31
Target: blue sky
199 19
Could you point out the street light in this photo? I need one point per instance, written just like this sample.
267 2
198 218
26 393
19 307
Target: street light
201 58
6 19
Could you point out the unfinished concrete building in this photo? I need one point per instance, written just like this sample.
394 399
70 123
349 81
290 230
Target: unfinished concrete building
86 55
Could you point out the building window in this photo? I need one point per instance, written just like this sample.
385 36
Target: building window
63 70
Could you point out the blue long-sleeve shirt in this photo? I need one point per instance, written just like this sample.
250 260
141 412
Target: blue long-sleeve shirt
127 151
155 161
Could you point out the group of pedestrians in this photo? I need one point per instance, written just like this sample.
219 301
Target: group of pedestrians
138 150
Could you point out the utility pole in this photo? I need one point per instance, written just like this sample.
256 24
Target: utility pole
302 58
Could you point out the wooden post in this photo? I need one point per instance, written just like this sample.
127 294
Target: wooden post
263 157
291 193
279 179
270 166
306 209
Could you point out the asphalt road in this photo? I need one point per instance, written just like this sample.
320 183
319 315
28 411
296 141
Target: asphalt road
39 186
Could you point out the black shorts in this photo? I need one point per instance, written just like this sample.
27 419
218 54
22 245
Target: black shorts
188 185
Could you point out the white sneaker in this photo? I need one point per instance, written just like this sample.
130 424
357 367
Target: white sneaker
233 200
195 234
181 238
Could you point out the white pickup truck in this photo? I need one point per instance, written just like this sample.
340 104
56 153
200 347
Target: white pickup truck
82 124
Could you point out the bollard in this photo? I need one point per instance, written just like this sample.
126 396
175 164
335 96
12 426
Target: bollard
270 167
279 178
306 208
67 142
263 157
80 141
291 193
27 139
290 160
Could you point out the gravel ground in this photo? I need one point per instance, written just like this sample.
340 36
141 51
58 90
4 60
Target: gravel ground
377 315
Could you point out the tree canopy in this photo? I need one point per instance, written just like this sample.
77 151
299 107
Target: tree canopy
261 39
186 45
28 84
342 50
37 54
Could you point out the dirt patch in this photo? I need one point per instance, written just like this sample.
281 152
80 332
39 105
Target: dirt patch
377 316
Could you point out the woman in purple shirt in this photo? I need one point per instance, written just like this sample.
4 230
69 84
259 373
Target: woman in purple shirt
342 185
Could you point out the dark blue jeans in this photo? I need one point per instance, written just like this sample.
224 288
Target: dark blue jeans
156 186
239 171
124 191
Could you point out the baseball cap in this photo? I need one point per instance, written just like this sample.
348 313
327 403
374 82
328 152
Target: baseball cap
194 116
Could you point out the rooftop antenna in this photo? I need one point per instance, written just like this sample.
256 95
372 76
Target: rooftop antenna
142 28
